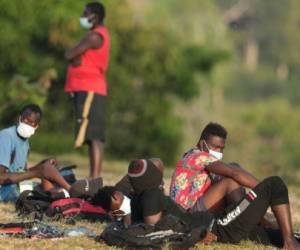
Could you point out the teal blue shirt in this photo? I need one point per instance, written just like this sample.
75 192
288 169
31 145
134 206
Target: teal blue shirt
13 156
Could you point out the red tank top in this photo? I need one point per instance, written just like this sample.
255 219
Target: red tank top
90 75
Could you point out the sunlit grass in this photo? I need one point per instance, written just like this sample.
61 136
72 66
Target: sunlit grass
112 172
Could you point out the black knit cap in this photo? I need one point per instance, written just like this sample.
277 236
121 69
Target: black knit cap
143 174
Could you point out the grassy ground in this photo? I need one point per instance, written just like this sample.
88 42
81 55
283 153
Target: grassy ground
113 171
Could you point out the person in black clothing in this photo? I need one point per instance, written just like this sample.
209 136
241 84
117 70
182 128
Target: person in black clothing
238 222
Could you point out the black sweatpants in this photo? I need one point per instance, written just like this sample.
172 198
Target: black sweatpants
241 222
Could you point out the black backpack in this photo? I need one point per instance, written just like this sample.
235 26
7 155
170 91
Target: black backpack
40 205
169 230
33 204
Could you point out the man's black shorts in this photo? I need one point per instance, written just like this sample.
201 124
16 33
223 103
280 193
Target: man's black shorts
242 221
90 117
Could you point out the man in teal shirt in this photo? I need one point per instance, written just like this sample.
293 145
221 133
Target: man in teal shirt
14 151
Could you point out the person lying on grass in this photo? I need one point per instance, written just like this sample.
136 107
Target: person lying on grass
239 221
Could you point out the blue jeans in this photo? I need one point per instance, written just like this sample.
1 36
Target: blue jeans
9 193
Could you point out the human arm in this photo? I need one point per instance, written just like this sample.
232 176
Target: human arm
11 178
41 164
92 40
47 169
7 157
118 217
236 173
209 238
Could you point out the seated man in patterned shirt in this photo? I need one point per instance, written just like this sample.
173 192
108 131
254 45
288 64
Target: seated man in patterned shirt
201 168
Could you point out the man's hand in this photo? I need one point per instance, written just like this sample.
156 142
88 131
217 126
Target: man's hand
238 174
49 169
50 172
75 62
51 161
45 165
209 238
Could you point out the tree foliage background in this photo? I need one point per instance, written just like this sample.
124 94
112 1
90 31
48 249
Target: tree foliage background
174 66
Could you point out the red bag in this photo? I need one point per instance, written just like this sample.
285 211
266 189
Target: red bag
78 208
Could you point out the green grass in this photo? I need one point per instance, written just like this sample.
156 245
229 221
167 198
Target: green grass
112 172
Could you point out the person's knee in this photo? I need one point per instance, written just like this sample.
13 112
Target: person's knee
279 189
275 181
95 143
279 184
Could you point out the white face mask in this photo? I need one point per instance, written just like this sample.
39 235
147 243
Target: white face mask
216 154
85 23
25 130
125 206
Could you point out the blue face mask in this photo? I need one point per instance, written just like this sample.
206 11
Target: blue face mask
85 23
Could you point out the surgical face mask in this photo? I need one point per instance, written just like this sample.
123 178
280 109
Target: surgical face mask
85 23
216 154
125 207
25 130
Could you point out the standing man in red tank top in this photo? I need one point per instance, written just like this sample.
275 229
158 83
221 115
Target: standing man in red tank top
86 81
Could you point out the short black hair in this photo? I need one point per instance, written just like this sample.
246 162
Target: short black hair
31 108
214 129
103 197
98 9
